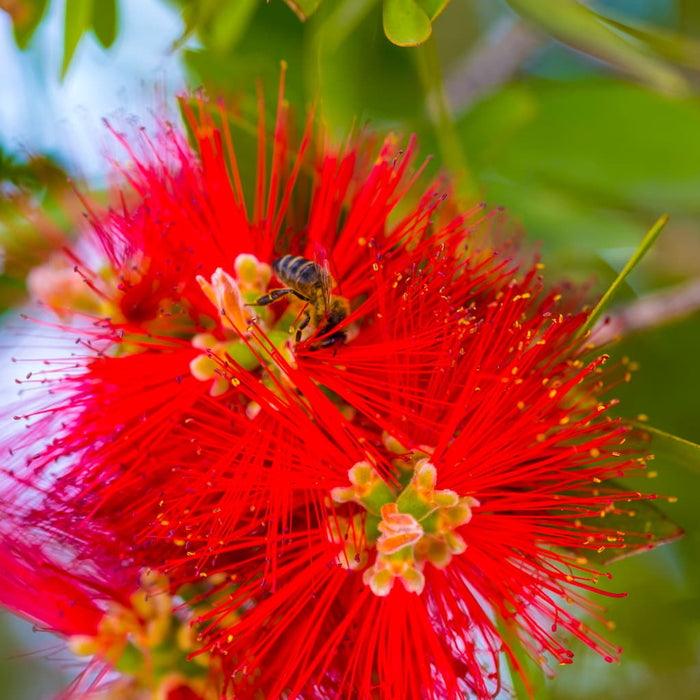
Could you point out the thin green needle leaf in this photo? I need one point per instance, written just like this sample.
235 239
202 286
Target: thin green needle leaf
644 247
576 25
676 47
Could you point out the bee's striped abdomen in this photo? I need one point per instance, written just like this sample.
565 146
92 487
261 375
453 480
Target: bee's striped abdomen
296 270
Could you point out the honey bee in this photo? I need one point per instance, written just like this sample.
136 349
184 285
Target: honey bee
311 282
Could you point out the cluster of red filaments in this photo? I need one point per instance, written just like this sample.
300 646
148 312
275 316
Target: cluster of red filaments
441 472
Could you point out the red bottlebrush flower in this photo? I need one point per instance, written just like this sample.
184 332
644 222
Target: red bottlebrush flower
41 590
360 445
478 496
132 629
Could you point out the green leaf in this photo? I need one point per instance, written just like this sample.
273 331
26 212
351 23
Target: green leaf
406 22
597 189
230 23
671 45
642 250
672 447
303 8
25 20
578 26
338 24
433 8
359 77
646 524
220 24
105 21
78 21
196 15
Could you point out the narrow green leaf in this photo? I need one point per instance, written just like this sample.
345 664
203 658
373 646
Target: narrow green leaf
78 21
577 25
304 8
647 527
342 21
230 23
449 143
26 19
105 21
405 22
667 446
641 251
671 45
433 8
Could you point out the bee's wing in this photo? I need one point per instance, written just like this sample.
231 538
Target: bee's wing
324 272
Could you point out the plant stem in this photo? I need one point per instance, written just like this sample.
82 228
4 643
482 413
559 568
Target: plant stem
449 143
647 313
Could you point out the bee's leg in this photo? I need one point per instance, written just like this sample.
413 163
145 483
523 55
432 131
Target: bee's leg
273 296
276 294
302 325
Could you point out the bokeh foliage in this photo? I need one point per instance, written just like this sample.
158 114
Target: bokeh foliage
581 119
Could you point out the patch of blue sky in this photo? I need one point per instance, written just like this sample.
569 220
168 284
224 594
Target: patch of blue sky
139 75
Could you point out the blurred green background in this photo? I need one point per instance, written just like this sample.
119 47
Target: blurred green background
583 120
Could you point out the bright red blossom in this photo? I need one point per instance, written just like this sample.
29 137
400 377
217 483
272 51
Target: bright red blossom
355 519
518 433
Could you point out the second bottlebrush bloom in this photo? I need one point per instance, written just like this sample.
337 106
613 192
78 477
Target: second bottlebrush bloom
362 444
